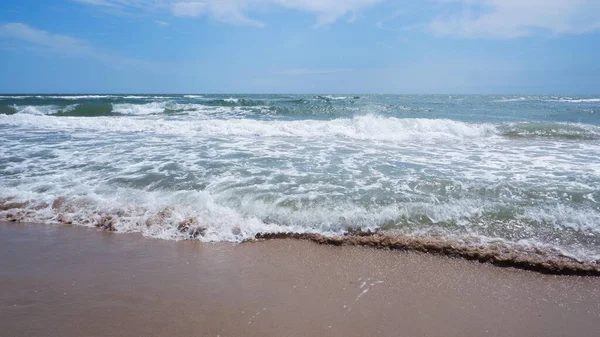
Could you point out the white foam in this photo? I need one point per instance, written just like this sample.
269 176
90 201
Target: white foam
360 128
198 110
43 109
139 109
193 96
158 213
334 98
512 99
143 97
136 97
134 211
76 97
576 100
14 97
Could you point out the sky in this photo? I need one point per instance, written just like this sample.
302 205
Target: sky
300 46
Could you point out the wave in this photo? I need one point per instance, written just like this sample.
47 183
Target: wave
7 110
242 102
335 98
43 109
75 110
168 105
575 100
60 97
83 97
133 109
139 109
511 99
144 97
77 97
565 131
196 215
156 108
96 110
367 127
14 97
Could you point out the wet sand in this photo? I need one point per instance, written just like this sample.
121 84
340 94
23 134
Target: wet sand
73 281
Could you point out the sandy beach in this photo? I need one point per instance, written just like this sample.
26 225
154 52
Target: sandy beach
73 281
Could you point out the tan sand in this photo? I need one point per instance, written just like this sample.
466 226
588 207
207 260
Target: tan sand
72 281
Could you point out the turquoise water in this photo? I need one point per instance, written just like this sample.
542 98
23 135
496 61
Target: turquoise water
521 170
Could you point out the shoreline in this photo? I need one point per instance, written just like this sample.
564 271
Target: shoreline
541 259
84 282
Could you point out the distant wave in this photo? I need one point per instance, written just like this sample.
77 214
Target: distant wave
360 127
576 100
335 98
512 99
566 131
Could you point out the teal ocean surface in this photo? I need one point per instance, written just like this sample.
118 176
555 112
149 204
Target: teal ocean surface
518 171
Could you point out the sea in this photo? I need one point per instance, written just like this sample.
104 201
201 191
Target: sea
522 172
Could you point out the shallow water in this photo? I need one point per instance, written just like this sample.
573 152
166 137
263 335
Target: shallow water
522 170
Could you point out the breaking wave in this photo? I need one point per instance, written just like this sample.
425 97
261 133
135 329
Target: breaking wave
360 128
43 109
368 127
195 215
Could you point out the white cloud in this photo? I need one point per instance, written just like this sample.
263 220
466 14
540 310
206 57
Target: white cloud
190 8
230 11
237 11
55 42
59 44
327 11
456 18
516 18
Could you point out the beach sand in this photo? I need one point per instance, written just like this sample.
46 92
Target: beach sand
75 281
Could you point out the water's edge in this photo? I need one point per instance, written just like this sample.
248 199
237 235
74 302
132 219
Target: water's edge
499 254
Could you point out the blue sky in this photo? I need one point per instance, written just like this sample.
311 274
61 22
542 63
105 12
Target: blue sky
300 46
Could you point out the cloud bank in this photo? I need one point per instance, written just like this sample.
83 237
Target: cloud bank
489 19
60 44
505 19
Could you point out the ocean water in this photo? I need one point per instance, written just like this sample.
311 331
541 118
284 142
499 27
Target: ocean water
520 170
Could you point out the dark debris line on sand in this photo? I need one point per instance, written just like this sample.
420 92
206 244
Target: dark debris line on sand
496 254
